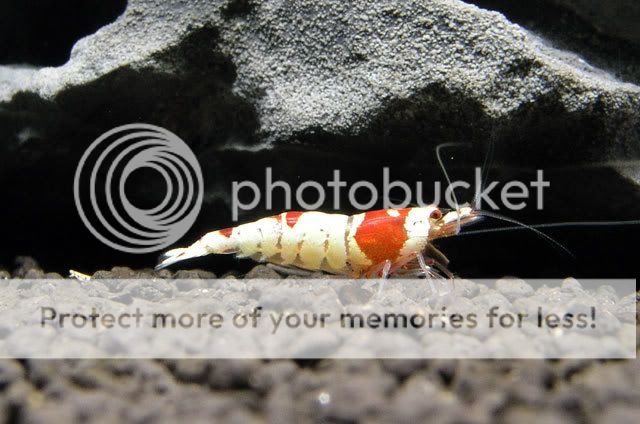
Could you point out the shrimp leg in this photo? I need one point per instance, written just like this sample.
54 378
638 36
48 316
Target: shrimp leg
381 270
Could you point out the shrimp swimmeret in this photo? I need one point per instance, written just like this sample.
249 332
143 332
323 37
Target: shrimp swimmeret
370 244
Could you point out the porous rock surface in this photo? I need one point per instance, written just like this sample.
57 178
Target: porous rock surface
336 66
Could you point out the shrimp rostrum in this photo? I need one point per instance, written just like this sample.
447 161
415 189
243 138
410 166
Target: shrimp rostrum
371 244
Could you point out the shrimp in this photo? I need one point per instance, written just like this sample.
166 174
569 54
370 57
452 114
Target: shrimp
376 243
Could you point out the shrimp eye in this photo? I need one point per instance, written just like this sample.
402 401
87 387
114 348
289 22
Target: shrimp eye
436 214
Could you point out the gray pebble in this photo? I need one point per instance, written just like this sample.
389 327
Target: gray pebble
620 414
514 288
571 285
263 272
272 374
193 274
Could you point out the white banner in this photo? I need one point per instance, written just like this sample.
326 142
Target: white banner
318 318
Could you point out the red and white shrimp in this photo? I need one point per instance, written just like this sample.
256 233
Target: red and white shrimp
370 244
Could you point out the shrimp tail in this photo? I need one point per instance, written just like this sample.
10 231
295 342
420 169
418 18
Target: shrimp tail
178 255
215 242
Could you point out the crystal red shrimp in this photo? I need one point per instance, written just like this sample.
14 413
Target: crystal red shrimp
370 244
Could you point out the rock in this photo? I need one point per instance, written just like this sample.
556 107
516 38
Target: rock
191 370
606 295
272 374
570 367
514 288
187 285
530 383
403 368
620 414
605 384
492 299
465 288
353 294
351 366
23 340
272 55
163 273
264 272
280 405
571 285
25 265
420 400
473 380
626 309
355 398
194 274
10 372
235 373
527 415
444 370
115 272
153 291
124 298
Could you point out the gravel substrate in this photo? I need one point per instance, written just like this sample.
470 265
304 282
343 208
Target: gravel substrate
518 391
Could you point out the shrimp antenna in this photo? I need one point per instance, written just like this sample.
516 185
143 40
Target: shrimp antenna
486 167
525 226
555 225
446 175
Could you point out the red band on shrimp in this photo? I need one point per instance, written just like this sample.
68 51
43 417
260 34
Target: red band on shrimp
382 235
226 232
292 218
